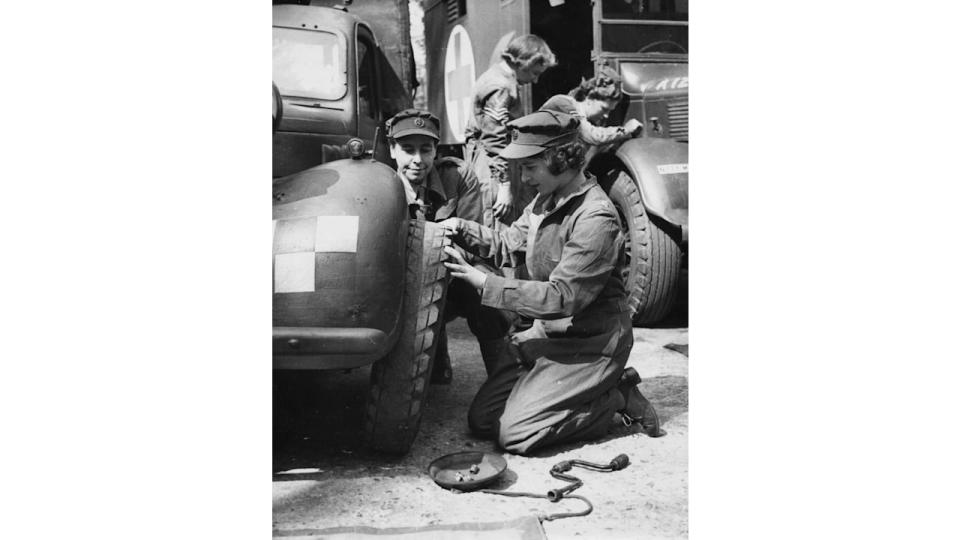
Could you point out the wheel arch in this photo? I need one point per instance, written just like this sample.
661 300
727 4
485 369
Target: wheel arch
660 169
357 281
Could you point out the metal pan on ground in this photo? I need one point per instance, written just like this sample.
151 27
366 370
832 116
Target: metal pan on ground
467 471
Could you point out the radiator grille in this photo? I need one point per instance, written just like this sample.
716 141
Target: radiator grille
678 116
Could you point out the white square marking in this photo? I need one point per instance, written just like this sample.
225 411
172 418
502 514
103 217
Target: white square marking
294 272
295 235
337 234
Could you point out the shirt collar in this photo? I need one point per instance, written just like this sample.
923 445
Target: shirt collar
507 71
578 186
431 183
408 191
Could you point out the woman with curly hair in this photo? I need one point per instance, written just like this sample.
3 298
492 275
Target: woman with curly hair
496 101
561 375
591 102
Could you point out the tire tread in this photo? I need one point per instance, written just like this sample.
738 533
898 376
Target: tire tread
399 381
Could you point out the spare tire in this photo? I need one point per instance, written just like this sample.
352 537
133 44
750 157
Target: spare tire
399 381
653 252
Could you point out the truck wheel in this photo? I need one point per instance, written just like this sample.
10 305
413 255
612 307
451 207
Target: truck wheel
399 381
654 255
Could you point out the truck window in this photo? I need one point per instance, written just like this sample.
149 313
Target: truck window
309 64
654 26
366 79
395 97
662 10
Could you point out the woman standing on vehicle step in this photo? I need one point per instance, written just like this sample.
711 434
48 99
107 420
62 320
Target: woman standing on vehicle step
561 375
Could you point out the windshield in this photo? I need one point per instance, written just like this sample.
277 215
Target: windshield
645 10
644 26
309 64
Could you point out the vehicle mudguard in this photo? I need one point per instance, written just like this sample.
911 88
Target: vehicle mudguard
660 168
339 249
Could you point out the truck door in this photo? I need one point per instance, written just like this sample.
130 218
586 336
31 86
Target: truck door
368 109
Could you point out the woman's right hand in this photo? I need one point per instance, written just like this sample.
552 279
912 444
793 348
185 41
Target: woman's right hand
633 127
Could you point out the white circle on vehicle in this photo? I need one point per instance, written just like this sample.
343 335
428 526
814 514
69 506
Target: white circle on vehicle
458 76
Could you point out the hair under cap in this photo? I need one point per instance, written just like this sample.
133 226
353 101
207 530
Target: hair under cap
537 131
604 85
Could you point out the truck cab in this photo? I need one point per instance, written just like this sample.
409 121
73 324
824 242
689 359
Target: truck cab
335 83
358 278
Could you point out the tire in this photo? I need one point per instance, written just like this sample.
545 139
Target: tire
399 381
654 255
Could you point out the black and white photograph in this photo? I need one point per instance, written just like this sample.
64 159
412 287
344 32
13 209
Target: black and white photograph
480 215
472 306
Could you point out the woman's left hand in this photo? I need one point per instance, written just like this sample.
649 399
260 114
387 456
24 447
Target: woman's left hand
460 269
451 226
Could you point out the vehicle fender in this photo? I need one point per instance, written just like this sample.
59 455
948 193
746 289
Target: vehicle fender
350 217
660 168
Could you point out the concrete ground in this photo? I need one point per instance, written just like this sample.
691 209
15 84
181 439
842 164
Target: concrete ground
323 477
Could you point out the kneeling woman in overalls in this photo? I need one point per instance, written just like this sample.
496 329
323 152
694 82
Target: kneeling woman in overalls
561 378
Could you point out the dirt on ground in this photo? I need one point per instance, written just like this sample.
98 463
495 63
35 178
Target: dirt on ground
323 478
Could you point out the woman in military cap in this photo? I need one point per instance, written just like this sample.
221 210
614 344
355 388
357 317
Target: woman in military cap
561 376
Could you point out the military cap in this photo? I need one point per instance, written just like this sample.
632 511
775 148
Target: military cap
413 122
537 131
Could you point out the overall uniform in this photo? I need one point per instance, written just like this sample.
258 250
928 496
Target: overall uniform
558 379
560 382
496 101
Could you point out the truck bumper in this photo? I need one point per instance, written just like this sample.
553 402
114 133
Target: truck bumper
327 348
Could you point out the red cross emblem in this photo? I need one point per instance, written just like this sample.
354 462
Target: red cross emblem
458 88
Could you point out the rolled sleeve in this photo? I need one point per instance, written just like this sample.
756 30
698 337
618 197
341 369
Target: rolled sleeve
598 135
499 292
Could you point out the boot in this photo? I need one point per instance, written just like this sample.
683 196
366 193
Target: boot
491 350
637 408
442 369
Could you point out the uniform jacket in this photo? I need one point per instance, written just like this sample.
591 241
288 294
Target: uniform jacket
496 101
574 256
450 190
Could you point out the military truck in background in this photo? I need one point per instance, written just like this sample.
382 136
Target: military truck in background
357 279
646 42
